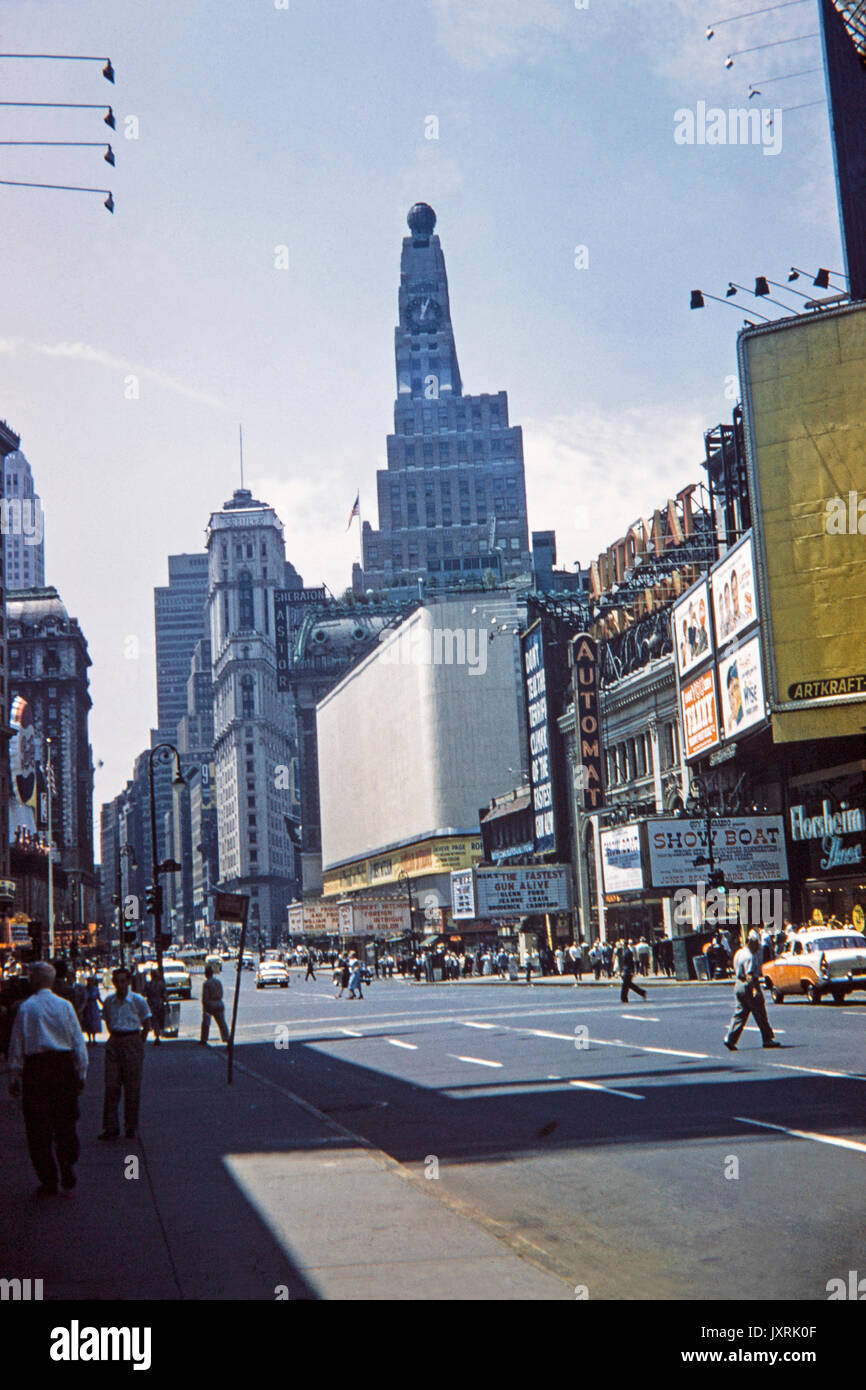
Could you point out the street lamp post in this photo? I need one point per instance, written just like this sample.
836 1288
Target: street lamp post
122 850
164 753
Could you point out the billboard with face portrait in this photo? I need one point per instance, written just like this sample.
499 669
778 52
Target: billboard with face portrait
733 581
690 622
741 688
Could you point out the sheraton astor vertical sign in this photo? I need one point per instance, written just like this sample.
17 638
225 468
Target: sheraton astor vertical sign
588 721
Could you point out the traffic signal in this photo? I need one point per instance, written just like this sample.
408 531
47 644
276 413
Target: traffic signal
716 879
153 900
130 934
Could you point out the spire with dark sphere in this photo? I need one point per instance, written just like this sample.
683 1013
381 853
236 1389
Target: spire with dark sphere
422 220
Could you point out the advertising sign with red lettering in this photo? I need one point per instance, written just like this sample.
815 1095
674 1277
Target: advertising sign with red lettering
700 714
749 849
589 771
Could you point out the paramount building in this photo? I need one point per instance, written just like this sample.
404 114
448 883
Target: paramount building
452 501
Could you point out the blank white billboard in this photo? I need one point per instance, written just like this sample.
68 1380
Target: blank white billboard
423 732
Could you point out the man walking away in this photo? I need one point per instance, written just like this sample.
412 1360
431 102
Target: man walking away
212 1007
311 974
155 994
627 966
127 1019
528 963
748 963
48 1068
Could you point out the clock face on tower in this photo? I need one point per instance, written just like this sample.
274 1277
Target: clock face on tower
424 314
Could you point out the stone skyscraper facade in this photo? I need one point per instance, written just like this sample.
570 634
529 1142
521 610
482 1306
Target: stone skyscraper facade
23 525
255 733
452 501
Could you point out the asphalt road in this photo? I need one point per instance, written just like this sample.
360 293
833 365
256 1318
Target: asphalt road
621 1146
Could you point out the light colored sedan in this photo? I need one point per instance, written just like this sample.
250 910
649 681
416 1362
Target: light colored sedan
819 961
272 972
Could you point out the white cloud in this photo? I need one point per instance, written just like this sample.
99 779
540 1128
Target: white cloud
592 473
82 352
478 33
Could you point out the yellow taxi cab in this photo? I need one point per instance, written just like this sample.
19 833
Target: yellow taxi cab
819 961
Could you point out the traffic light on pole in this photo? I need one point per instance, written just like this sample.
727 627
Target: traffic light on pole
153 900
716 879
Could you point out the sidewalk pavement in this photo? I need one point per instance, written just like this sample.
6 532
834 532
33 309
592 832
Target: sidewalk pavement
242 1191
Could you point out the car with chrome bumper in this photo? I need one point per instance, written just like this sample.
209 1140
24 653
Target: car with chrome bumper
818 962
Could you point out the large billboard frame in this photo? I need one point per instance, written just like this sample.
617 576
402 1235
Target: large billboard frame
746 336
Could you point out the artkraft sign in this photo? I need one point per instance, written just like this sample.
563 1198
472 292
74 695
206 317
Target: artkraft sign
748 849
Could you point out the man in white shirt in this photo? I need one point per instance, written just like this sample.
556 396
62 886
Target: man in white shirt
748 968
127 1018
48 1068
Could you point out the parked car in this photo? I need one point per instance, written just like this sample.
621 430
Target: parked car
272 972
816 962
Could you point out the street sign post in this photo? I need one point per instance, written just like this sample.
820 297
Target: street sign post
233 907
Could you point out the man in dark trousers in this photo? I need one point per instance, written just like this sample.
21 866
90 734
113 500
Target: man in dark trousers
748 968
212 1007
627 965
311 974
127 1019
48 1068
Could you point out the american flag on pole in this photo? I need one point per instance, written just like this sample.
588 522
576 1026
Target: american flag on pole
356 511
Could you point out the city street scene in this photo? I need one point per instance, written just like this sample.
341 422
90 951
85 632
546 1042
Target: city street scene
452 781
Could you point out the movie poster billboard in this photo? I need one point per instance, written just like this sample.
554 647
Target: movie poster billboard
700 714
734 604
742 689
621 863
690 624
748 849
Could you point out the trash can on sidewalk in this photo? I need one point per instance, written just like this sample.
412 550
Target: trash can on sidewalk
172 1019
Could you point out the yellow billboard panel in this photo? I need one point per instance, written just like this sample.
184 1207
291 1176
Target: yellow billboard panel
415 860
804 397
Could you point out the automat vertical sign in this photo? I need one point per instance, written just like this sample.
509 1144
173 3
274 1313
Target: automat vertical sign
538 718
588 721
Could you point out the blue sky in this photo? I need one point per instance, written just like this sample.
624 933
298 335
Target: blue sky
305 127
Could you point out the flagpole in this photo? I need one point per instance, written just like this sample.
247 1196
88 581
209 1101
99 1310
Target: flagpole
360 533
50 861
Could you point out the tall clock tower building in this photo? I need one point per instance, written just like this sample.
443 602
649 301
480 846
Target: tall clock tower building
452 501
